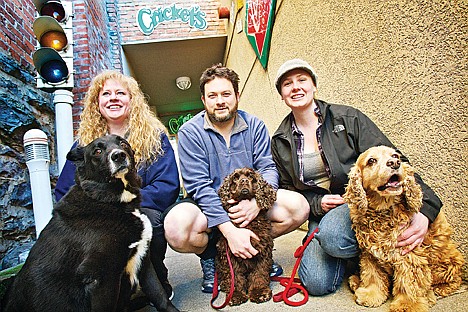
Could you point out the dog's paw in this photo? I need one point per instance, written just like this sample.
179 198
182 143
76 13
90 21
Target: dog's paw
370 296
260 295
238 298
354 281
446 289
421 305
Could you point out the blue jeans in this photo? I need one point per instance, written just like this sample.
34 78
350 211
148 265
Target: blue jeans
324 261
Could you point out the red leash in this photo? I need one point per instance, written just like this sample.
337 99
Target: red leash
293 285
215 286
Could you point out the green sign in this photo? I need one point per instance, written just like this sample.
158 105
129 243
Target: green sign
176 123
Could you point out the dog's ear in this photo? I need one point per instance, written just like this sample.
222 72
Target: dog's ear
265 195
411 189
224 191
76 154
355 194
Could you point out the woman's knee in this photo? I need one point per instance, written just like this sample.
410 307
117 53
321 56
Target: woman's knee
320 273
336 236
321 287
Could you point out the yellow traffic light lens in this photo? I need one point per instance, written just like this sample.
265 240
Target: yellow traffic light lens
54 39
54 9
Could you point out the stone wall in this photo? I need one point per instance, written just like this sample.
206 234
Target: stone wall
23 106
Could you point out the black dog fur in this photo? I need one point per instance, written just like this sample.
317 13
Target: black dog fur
94 251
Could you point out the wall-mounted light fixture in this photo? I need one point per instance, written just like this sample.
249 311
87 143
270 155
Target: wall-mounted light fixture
183 83
223 12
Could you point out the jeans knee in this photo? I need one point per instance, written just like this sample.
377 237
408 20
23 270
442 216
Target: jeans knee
320 286
320 273
336 236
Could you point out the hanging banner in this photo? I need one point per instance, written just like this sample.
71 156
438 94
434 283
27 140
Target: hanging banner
258 26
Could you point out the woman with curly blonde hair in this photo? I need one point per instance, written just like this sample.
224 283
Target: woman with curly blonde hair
146 128
115 104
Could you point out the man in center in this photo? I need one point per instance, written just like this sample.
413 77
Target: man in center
211 145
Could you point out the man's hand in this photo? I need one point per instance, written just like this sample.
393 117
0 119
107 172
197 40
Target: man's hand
244 212
239 240
414 235
331 201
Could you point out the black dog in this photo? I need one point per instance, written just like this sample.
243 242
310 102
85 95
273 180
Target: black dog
93 253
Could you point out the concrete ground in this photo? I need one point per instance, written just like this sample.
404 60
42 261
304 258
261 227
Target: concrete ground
185 277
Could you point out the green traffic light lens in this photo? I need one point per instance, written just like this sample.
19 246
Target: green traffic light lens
54 71
54 9
54 39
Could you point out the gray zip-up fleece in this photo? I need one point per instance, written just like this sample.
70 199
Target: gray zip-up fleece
205 159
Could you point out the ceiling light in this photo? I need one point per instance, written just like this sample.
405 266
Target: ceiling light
183 83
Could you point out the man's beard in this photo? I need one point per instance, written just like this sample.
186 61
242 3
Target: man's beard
213 118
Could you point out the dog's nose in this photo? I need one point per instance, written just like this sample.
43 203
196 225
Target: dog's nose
118 156
393 163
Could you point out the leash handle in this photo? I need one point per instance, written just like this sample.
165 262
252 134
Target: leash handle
215 285
293 285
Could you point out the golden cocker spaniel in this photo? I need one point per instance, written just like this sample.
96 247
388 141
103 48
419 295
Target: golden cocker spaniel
251 276
383 196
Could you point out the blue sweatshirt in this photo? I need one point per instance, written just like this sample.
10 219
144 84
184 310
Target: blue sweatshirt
160 186
205 159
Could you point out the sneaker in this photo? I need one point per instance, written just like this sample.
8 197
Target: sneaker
208 268
276 270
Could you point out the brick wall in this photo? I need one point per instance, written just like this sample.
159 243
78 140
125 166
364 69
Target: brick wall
97 45
168 30
16 36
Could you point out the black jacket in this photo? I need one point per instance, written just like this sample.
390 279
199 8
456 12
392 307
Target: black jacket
346 133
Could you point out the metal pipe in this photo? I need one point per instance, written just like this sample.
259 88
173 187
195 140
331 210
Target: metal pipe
63 100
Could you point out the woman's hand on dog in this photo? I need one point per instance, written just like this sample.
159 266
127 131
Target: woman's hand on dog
414 235
331 201
244 212
239 240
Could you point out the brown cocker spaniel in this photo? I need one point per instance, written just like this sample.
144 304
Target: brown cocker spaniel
251 276
383 195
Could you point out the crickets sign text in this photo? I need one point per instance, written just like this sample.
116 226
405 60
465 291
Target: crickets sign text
148 19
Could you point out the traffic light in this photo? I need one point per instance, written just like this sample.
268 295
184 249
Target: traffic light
54 57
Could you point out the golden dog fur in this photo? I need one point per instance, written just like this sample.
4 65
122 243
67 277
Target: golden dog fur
383 196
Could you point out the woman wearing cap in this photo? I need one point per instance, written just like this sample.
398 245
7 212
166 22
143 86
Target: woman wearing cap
314 148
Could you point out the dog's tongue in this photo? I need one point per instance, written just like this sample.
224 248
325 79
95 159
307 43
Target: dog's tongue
393 184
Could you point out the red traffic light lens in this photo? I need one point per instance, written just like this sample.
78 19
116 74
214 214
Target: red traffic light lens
54 71
54 9
54 39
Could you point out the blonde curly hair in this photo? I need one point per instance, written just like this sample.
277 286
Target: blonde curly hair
144 128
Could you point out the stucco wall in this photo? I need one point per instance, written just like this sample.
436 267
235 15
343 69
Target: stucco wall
403 63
